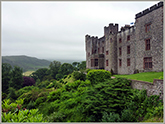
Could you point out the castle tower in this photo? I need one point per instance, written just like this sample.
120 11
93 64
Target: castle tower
110 34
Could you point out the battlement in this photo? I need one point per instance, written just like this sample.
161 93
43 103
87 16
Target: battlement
112 28
126 28
146 11
90 37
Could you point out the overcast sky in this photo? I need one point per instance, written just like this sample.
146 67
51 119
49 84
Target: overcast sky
56 30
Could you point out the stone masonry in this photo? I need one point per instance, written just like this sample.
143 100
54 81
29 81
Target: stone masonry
133 48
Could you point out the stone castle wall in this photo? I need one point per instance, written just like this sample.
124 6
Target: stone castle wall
155 19
152 89
104 52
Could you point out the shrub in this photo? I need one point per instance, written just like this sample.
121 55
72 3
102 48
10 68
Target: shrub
65 76
28 81
79 75
56 117
23 116
61 81
39 101
112 117
98 75
12 93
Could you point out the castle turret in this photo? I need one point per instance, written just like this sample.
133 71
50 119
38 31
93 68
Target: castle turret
110 33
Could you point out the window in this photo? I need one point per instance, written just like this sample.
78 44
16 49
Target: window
106 62
147 62
92 62
96 62
111 40
128 49
107 52
120 51
88 54
120 40
147 42
128 62
148 28
128 37
102 49
92 50
119 62
98 50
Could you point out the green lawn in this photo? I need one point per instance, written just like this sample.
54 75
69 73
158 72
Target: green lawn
145 76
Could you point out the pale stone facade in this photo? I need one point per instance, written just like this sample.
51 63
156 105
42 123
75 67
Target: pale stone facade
133 48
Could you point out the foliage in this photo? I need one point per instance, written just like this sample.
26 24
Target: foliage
111 117
23 116
76 65
65 69
54 68
98 75
82 65
79 75
12 93
55 117
8 106
17 78
25 90
6 76
40 74
143 107
65 76
28 81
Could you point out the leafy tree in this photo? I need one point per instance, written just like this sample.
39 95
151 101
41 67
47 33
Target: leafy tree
6 76
82 65
40 73
17 78
66 69
28 81
54 68
76 65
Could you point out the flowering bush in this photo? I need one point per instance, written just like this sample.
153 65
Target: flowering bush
28 81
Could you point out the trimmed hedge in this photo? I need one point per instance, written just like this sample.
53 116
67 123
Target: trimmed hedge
96 76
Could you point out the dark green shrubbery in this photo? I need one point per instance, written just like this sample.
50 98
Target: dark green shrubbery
96 76
79 75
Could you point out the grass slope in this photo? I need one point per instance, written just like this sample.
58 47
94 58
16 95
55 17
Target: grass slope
25 62
146 76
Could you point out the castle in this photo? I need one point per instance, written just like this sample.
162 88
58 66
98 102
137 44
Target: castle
137 48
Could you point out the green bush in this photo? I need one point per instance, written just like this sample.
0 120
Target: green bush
79 75
96 76
23 116
112 117
56 117
61 81
39 101
65 76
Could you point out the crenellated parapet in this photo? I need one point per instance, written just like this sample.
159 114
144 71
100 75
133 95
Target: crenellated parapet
111 29
127 28
146 11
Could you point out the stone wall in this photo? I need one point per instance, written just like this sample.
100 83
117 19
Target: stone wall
154 88
155 34
124 68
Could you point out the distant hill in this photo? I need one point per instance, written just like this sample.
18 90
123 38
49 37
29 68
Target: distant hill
25 62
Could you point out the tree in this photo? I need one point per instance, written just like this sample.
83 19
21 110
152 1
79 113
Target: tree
82 65
17 78
54 68
28 81
66 69
40 74
6 76
75 65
